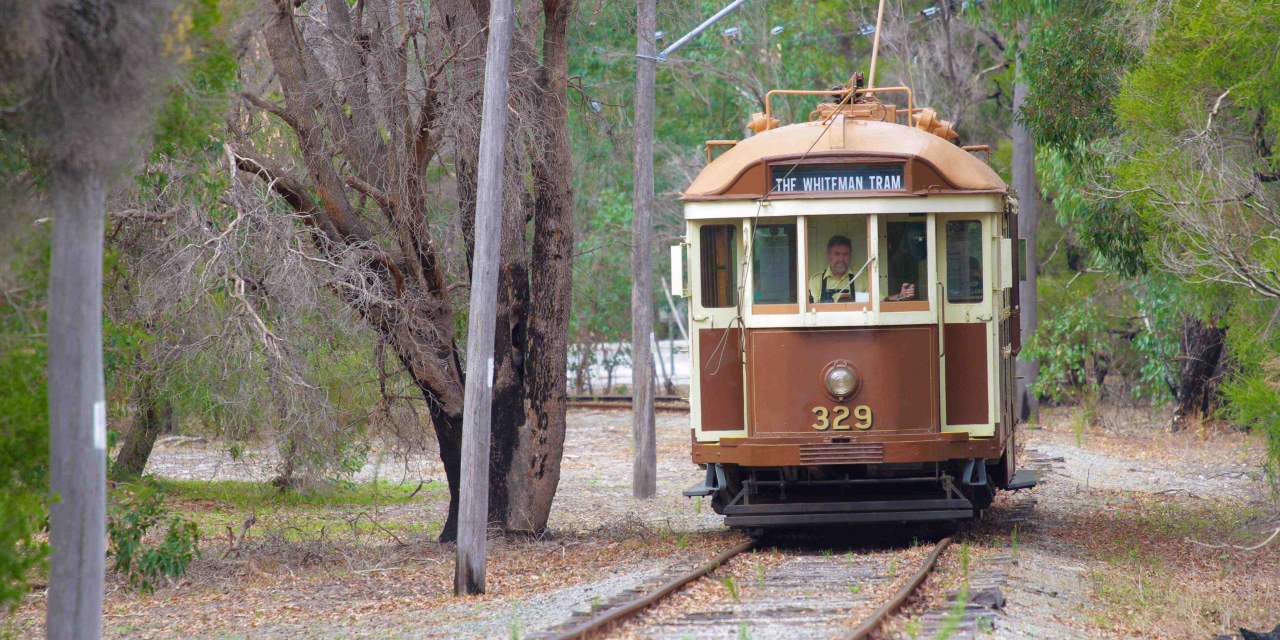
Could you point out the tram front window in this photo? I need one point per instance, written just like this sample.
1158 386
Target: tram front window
773 264
837 260
905 260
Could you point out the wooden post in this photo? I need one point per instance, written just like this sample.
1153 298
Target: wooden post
644 470
1024 184
473 509
77 410
875 47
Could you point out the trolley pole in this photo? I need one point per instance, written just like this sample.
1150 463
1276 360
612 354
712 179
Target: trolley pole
644 471
473 508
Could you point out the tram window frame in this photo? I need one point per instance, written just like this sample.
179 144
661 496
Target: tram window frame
819 232
785 303
953 291
885 264
717 265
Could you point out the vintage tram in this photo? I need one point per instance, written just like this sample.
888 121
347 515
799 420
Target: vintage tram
852 303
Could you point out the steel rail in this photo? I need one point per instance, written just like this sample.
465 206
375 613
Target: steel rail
887 609
611 617
661 403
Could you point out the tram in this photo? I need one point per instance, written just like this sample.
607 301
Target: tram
853 311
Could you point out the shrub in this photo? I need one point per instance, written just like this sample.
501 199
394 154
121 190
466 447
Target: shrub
136 509
24 456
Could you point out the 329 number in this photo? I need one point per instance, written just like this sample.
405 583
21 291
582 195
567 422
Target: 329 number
835 418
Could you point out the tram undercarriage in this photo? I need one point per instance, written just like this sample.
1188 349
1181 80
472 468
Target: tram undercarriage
854 494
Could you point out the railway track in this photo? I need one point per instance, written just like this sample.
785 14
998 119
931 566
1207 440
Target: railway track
805 594
674 404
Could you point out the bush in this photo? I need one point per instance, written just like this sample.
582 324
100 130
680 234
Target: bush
135 510
24 415
24 463
1252 389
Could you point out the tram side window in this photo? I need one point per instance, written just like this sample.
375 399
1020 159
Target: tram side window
906 262
719 287
964 261
773 264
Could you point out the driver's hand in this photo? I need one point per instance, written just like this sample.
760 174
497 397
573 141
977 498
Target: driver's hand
908 291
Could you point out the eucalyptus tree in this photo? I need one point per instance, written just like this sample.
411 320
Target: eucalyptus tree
373 95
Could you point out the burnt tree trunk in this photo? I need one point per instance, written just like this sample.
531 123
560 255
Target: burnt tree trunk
535 470
1202 360
154 416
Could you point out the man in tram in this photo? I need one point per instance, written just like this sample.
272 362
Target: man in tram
837 284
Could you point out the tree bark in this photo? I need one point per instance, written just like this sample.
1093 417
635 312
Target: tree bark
644 473
1024 184
154 416
1202 361
535 468
77 409
330 117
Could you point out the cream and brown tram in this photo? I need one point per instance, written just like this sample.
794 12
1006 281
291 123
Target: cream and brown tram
852 297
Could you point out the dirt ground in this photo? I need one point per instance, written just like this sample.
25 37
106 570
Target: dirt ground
1134 532
1118 542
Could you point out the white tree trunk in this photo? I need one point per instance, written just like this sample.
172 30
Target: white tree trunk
1024 183
473 508
644 476
77 412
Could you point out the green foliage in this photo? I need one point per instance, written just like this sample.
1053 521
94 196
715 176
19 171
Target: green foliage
1202 49
1253 388
245 496
1095 328
191 117
136 509
24 417
1068 341
1109 231
1199 75
731 587
1161 302
1072 63
24 455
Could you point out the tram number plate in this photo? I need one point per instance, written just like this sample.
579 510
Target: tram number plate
837 418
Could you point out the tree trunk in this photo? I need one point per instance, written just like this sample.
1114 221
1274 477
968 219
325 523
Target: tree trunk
77 409
644 474
1202 358
154 416
535 468
1024 184
328 115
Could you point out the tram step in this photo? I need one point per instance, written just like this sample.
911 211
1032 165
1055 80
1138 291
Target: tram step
1024 479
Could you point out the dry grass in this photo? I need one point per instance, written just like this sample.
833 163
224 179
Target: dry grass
363 557
1142 433
1156 581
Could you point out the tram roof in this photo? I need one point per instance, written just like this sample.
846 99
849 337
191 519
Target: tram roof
943 167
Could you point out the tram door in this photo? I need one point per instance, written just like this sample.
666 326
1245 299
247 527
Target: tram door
715 265
965 255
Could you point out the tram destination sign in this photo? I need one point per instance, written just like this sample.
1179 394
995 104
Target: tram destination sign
791 178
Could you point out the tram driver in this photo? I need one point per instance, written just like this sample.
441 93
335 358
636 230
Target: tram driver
837 284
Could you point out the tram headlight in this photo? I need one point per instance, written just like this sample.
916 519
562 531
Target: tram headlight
840 381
